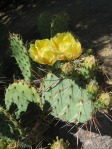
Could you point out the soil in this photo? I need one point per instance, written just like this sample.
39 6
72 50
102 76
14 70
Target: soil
91 21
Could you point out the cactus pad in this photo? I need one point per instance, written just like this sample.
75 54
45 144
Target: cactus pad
21 55
21 94
44 25
59 23
49 25
66 99
8 125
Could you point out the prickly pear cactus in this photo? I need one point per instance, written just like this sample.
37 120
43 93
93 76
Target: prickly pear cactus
8 125
59 23
67 100
21 94
49 26
20 53
44 25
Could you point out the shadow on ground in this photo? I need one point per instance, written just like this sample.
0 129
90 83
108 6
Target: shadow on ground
90 20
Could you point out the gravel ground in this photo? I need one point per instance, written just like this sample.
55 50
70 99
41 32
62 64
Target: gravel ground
94 140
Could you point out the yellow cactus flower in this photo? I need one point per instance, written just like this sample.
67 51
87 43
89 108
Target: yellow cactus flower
43 52
67 47
63 46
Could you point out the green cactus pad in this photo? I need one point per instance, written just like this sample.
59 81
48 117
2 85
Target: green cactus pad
8 125
44 25
21 94
66 99
21 55
59 23
49 26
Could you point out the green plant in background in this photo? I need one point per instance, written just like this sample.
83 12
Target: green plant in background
44 25
49 25
59 23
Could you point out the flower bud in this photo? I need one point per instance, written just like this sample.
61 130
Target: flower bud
93 87
90 62
105 99
67 68
59 144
